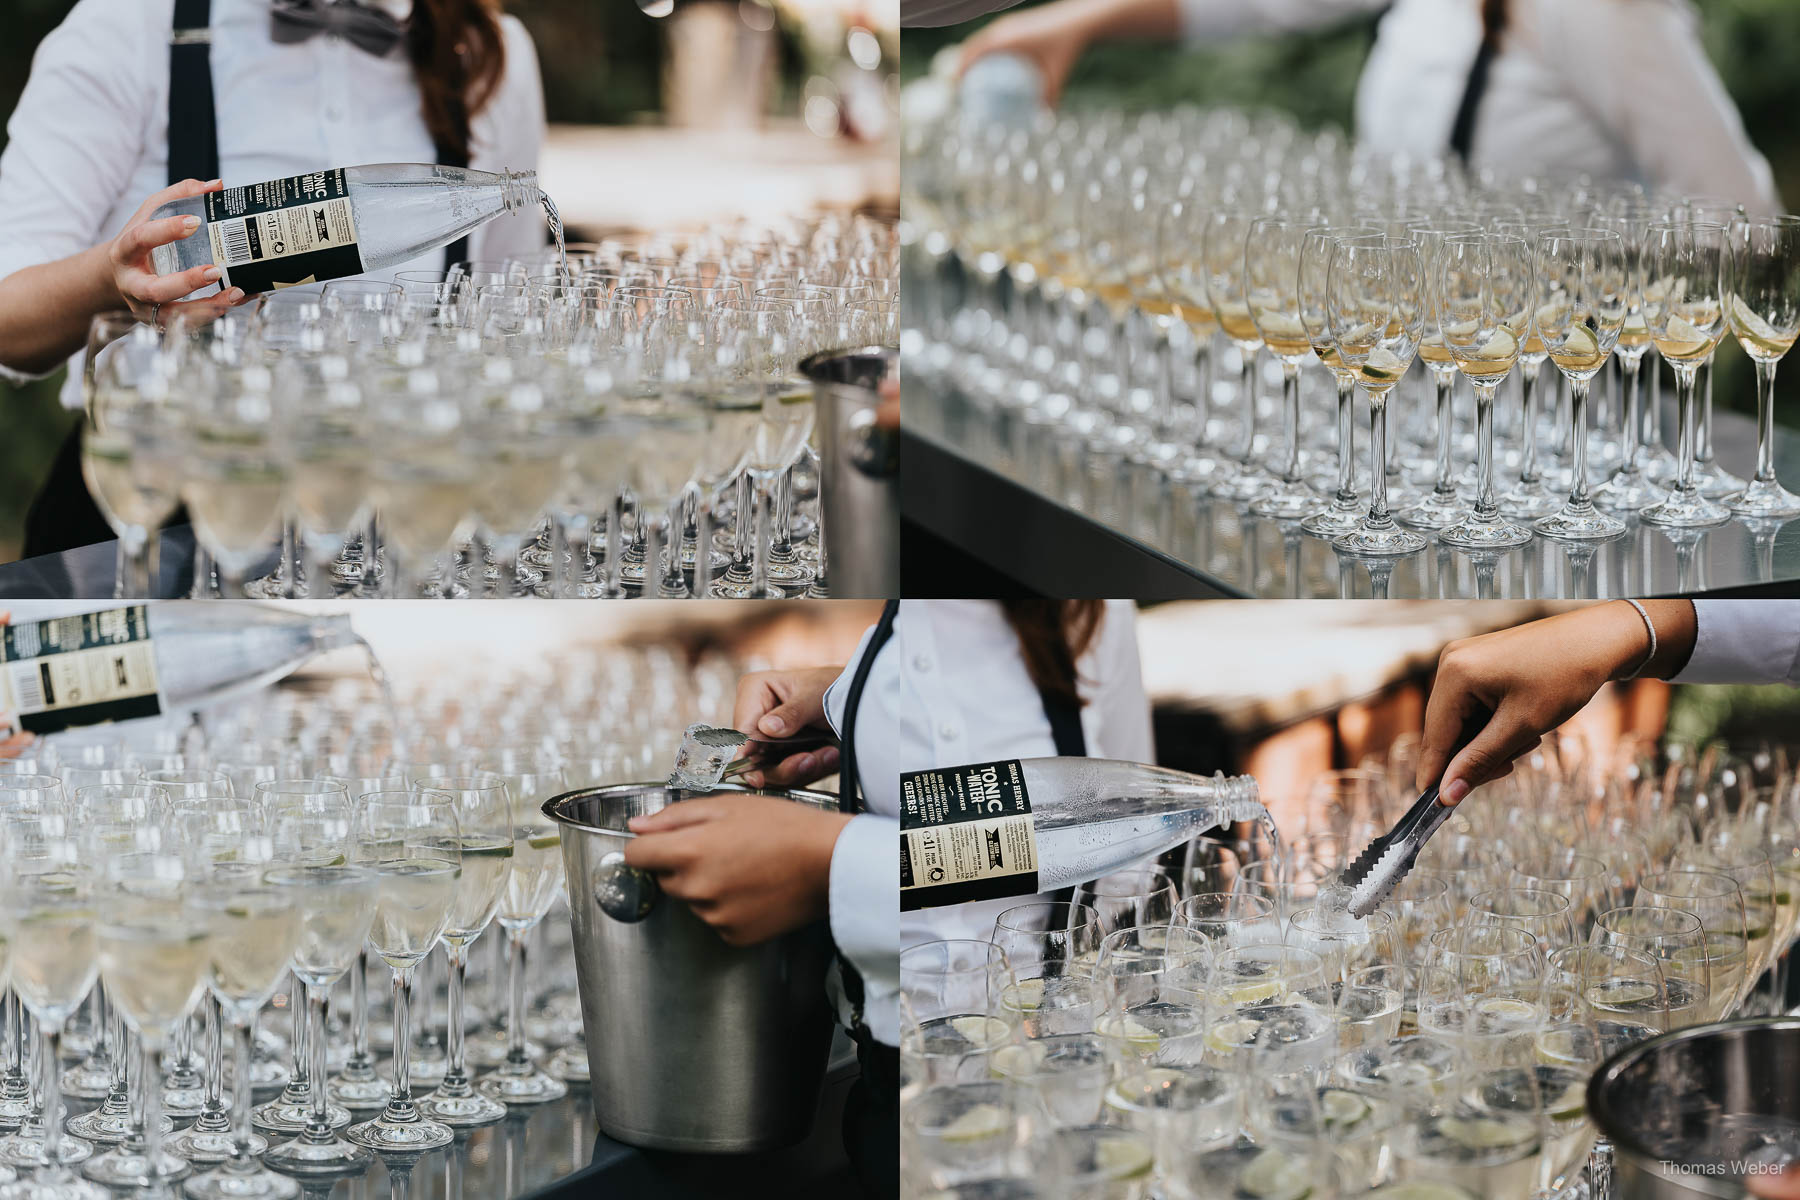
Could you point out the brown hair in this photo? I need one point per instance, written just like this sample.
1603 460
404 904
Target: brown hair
1053 635
1493 20
458 55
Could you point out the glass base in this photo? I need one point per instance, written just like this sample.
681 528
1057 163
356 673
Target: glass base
87 1081
285 1116
1367 541
1334 522
122 1168
488 1049
1287 501
1685 510
202 1147
570 1064
184 1103
401 1137
302 1156
1201 473
1715 481
462 1111
359 1092
1472 533
14 1112
26 1151
1580 524
107 1128
1247 484
1433 512
1534 499
1628 493
225 1184
1764 500
62 1185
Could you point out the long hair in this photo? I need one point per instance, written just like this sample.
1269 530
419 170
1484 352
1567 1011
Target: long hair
1493 20
1053 635
459 56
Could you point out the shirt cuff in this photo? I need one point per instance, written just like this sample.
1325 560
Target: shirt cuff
1744 641
865 901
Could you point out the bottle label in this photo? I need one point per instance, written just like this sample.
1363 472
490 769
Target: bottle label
284 232
966 834
79 670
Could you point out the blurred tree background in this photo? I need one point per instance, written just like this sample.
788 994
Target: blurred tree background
602 64
1755 44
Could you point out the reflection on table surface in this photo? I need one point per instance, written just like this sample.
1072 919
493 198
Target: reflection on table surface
1226 549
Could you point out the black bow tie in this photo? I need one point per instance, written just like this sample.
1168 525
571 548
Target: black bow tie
368 29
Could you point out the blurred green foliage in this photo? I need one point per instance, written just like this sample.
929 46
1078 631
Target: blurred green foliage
1754 43
602 64
1739 714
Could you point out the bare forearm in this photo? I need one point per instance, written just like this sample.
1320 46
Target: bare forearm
1130 18
45 310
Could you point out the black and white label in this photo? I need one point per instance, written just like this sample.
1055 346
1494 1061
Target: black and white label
79 670
966 834
284 232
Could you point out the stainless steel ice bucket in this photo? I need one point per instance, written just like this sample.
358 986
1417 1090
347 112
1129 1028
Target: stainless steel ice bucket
1659 1099
859 486
692 1044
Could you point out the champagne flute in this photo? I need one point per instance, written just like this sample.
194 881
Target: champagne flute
1762 306
126 454
486 841
1442 507
1226 232
1582 303
1629 488
1685 315
1272 292
1375 310
1484 283
412 841
1345 512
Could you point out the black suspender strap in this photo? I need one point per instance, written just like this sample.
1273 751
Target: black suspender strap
849 786
193 127
1462 131
1065 724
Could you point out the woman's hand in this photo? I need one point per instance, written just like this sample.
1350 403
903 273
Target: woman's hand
152 298
1053 37
1495 696
779 704
1784 1186
12 747
752 867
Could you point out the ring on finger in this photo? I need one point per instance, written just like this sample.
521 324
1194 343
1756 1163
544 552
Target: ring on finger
156 317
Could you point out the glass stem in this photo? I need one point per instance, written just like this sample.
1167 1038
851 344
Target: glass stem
150 1085
1378 509
1634 416
655 526
1486 505
1578 440
614 547
703 523
1202 386
212 1115
1290 396
360 1058
759 572
1703 418
780 537
400 1105
1247 399
1346 412
743 524
52 1093
456 1079
516 1059
1445 487
1765 422
1528 425
243 1033
1684 439
318 1121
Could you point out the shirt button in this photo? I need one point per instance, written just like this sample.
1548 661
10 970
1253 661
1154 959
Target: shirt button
948 732
921 662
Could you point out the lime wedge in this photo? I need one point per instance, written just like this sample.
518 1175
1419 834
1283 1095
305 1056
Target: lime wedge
1255 993
1581 344
1142 1039
1570 1106
1501 345
981 1032
1344 1110
1232 1036
1124 1158
1383 365
1273 1175
545 841
1507 1009
1026 995
1015 1061
1682 339
979 1123
1752 328
1619 993
1480 1133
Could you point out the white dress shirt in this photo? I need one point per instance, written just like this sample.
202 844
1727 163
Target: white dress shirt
1744 641
951 687
88 141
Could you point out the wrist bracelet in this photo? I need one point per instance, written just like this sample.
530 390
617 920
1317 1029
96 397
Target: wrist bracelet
1649 628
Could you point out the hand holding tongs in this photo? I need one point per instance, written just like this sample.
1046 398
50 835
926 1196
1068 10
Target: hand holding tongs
1380 868
761 749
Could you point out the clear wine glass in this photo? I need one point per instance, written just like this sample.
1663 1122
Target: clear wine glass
1272 251
1629 489
1581 305
1684 313
1762 307
127 457
1345 512
1226 233
1484 287
1046 939
412 841
1375 310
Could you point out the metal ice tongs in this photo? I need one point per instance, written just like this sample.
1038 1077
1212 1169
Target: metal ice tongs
761 748
1380 868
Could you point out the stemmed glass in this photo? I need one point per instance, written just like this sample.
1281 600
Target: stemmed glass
1762 306
786 420
1683 263
127 459
335 900
154 948
534 877
1272 251
1181 236
47 919
1375 310
1579 313
1442 506
1226 232
1630 489
1484 285
1049 939
484 817
1718 901
236 479
412 840
1345 512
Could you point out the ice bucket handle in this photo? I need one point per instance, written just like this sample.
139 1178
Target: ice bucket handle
626 894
